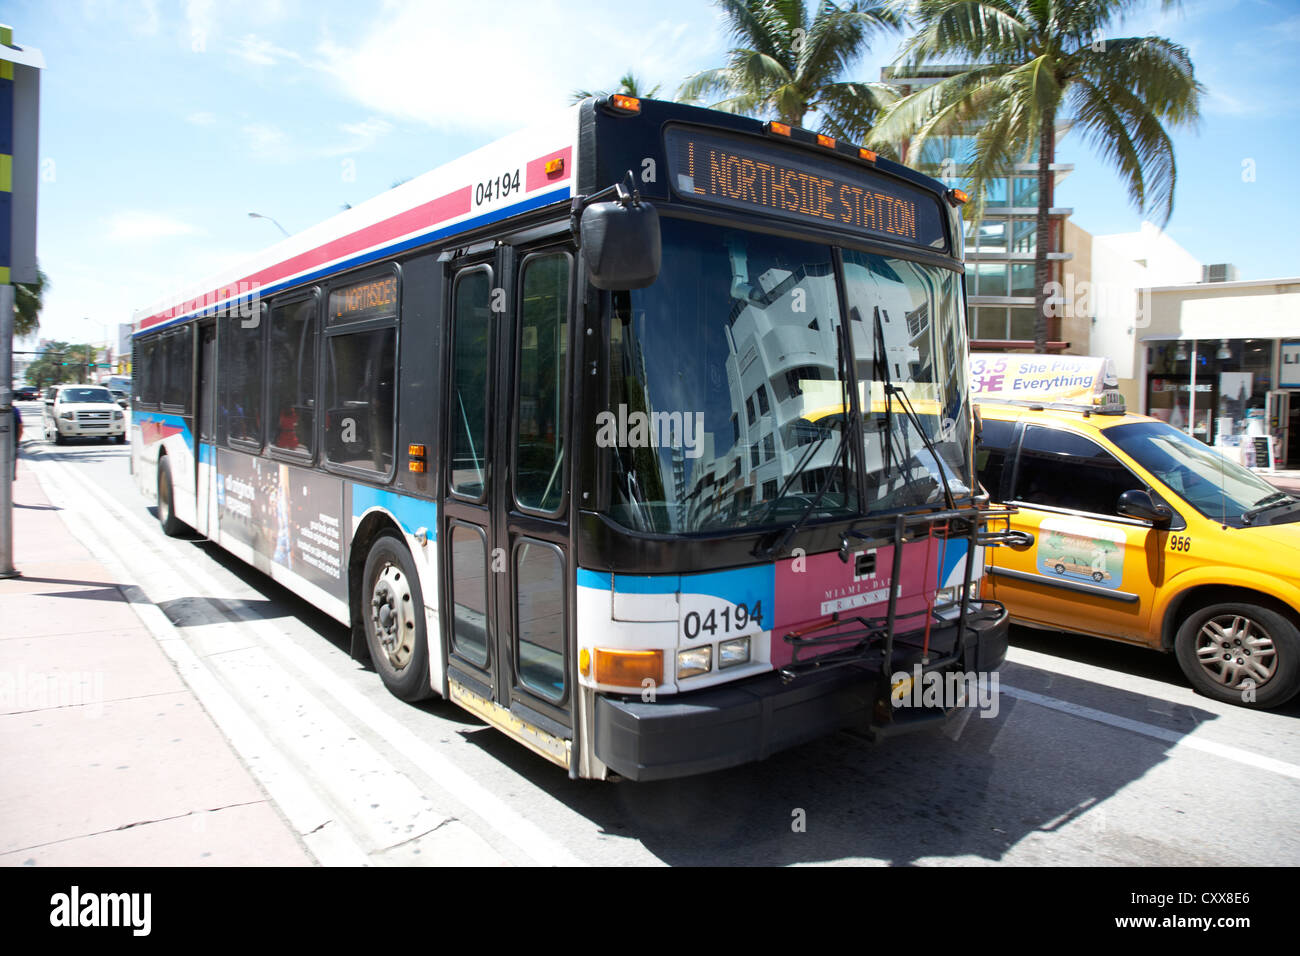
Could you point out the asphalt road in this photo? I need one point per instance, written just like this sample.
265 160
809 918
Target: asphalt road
1099 754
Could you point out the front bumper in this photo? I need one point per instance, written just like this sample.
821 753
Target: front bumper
90 429
749 720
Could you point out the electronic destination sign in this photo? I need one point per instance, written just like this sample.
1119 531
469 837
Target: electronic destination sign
743 173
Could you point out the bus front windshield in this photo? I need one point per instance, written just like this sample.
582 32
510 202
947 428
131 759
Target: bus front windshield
730 386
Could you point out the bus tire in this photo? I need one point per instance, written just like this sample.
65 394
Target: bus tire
392 611
1212 640
166 500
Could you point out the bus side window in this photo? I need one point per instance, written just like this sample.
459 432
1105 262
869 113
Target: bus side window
293 376
360 393
241 378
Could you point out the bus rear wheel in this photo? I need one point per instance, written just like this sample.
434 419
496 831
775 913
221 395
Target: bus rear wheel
166 501
393 613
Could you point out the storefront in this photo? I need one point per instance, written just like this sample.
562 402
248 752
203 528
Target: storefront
1221 361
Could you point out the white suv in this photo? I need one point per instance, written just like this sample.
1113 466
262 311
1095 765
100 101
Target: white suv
83 411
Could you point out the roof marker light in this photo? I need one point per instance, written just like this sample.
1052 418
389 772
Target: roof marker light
868 155
827 141
780 129
624 103
957 197
555 165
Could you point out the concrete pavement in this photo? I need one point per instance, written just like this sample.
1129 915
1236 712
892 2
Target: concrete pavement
109 759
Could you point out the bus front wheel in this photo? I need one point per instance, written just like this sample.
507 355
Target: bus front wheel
166 501
393 612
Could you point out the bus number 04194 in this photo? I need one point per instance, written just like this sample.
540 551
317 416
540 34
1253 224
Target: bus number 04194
730 618
503 185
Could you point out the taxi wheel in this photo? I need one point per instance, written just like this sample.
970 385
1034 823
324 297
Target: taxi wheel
1240 654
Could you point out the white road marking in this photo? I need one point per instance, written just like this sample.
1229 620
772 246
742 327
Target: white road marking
1189 741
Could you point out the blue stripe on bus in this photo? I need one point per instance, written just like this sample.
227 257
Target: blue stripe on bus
411 513
600 580
738 585
207 454
535 202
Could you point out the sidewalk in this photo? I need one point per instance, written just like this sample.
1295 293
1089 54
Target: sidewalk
109 759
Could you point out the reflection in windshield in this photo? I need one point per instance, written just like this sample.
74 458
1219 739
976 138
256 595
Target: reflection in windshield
907 331
727 405
1215 486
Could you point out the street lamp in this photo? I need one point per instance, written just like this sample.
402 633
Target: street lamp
258 215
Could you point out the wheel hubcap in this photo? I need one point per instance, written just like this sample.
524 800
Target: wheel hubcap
1236 651
392 615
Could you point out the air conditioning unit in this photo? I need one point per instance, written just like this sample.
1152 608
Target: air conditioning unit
1220 272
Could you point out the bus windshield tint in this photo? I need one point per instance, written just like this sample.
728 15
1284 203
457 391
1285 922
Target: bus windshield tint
729 390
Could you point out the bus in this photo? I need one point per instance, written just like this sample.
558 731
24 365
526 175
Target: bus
643 434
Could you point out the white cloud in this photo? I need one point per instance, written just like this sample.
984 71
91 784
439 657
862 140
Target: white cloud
263 52
447 67
136 225
266 142
201 118
359 136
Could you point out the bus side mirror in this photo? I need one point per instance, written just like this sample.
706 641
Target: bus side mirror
621 244
1136 503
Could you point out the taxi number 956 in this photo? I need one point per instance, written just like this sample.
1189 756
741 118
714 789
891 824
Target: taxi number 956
1180 542
728 619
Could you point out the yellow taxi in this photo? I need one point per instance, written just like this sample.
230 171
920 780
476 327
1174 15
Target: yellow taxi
1135 531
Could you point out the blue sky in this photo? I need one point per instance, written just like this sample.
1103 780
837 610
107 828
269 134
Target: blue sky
165 124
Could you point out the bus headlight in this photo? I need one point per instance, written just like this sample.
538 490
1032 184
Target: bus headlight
697 660
733 652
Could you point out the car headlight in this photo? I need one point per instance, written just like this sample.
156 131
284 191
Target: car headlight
68 416
733 652
117 416
697 660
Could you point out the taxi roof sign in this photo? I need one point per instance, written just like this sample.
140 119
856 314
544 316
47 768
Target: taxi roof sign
1079 382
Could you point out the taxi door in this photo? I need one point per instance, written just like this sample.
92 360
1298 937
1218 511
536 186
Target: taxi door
1089 569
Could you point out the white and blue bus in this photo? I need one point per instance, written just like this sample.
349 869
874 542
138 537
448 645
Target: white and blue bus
643 434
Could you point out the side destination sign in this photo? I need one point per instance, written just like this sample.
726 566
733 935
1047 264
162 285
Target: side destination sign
744 173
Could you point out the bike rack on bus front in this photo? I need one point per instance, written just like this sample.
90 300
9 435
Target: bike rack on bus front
867 636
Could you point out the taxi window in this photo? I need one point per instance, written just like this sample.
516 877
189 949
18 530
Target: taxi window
1059 469
991 455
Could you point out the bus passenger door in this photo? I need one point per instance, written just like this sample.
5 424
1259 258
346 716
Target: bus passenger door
205 454
504 526
532 506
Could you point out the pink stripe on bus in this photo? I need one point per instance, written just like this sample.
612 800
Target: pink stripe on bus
411 220
537 177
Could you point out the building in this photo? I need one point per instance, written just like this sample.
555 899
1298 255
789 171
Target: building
1221 360
1001 247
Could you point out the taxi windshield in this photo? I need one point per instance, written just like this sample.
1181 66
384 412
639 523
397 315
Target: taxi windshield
1218 488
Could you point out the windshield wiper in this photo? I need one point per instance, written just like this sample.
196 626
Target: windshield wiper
1278 499
850 424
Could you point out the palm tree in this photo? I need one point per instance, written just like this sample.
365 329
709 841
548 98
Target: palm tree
1037 63
628 85
27 304
786 67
